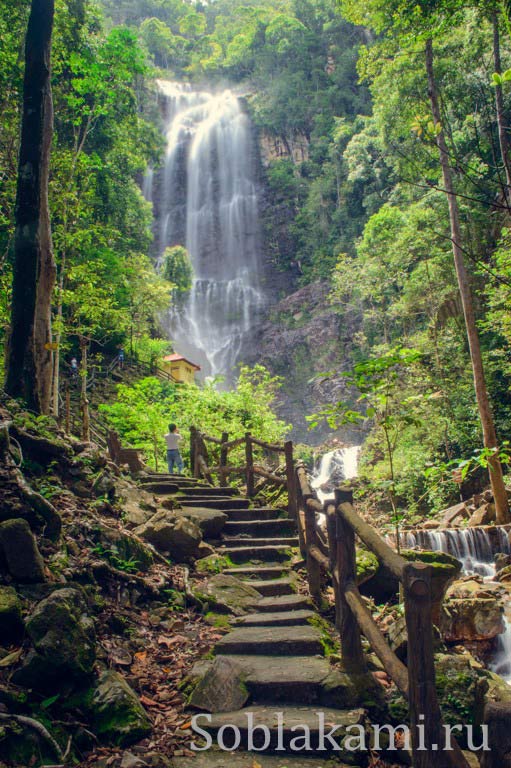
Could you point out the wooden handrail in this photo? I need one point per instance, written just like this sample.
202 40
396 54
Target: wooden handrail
269 446
353 618
269 475
373 541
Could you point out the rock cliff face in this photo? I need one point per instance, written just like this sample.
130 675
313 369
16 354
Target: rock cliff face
301 337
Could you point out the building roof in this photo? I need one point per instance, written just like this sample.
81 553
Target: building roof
175 358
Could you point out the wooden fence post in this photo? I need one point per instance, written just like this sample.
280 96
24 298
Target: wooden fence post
428 735
250 465
224 455
313 567
292 494
331 528
351 642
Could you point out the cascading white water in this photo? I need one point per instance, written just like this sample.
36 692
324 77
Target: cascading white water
334 467
206 199
502 663
474 547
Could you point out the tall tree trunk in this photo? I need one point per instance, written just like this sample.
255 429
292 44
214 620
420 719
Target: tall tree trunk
485 414
499 108
84 401
29 357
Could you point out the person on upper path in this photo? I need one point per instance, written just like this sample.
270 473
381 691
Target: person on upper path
174 459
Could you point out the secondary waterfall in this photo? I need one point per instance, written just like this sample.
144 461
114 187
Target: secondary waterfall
205 198
474 547
334 467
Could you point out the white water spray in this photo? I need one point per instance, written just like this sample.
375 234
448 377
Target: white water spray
334 467
206 199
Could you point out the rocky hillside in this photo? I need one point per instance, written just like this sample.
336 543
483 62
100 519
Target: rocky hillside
302 337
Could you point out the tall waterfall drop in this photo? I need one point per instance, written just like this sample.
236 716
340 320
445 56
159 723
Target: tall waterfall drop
205 198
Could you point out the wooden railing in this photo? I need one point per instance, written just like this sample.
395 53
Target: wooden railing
202 445
335 555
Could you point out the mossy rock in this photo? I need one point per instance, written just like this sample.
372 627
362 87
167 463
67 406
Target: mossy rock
120 548
461 693
64 640
213 564
118 716
229 594
367 565
11 622
21 746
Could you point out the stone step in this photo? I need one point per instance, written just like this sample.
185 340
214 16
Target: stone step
249 541
260 554
260 528
204 490
282 726
260 513
216 758
284 619
282 604
293 679
271 641
258 572
219 502
273 587
162 488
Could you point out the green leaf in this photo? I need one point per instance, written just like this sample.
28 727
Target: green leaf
496 79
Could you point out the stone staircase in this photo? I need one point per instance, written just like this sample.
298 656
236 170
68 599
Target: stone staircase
277 649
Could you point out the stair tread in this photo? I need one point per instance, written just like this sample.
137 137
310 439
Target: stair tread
292 716
282 603
285 618
262 640
250 541
270 571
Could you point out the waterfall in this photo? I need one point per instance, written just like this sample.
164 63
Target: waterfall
334 467
474 547
205 198
502 663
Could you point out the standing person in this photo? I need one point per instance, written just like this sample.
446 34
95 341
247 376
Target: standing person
173 438
121 357
74 367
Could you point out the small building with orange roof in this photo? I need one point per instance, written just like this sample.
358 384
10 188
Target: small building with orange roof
181 369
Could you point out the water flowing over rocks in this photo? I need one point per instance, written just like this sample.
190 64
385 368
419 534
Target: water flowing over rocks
206 198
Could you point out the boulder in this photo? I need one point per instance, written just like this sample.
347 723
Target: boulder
210 521
104 485
11 623
458 512
138 506
472 611
176 536
64 640
117 714
485 515
221 689
230 594
502 561
121 545
20 552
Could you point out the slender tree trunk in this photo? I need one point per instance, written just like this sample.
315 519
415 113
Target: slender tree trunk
84 402
485 414
29 356
499 107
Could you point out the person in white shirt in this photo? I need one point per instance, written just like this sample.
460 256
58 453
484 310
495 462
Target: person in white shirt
174 459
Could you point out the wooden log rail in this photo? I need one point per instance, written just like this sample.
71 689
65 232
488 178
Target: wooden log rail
416 680
201 465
